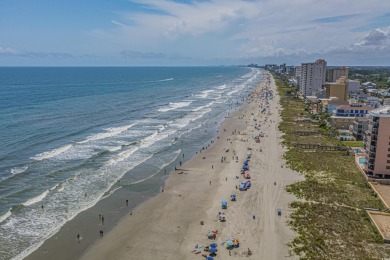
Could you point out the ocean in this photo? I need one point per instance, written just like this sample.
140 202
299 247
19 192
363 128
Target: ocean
73 136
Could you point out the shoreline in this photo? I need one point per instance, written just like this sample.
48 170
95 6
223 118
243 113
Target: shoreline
167 226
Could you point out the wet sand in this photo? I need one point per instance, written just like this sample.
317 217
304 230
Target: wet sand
168 225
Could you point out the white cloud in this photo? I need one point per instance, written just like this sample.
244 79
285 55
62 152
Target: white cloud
377 37
10 51
233 30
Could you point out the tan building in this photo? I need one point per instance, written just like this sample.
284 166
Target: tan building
335 74
377 143
341 122
338 89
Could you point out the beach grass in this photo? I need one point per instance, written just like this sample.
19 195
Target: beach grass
353 143
329 215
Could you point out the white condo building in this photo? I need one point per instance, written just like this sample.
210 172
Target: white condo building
312 77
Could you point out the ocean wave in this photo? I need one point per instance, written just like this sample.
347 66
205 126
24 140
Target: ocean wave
107 194
110 132
221 87
157 136
173 106
123 156
169 79
204 93
5 215
17 170
160 168
36 199
52 153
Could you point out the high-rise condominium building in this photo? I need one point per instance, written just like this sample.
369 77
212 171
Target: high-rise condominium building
312 77
335 74
377 143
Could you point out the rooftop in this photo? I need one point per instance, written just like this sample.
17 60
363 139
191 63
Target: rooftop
381 112
355 107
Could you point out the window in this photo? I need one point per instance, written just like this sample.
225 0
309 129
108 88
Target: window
388 155
387 167
388 161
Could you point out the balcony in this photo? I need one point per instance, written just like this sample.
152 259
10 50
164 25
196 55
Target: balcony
374 138
373 144
375 131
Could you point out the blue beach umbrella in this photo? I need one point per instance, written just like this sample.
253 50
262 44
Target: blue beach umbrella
213 250
213 245
209 258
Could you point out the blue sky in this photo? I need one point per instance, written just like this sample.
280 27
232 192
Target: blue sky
193 32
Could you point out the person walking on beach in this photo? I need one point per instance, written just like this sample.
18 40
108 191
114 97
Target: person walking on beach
127 203
102 220
78 237
210 182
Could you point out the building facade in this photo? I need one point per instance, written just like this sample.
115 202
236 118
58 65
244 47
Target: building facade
359 127
353 86
377 143
335 74
337 89
312 77
344 116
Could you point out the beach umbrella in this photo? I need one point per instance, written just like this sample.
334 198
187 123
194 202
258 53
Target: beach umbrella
213 250
229 243
209 258
213 245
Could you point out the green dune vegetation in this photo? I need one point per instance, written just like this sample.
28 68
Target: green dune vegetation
329 215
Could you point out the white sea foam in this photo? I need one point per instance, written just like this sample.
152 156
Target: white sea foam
123 156
18 170
5 215
52 153
159 135
161 167
173 106
201 95
110 132
221 87
110 192
114 148
36 199
170 79
204 93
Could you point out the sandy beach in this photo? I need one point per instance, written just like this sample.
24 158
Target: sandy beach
168 226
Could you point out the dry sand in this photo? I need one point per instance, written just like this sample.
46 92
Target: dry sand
168 225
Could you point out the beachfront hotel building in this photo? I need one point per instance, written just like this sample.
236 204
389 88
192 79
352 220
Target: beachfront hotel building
335 74
312 77
344 116
377 143
337 89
